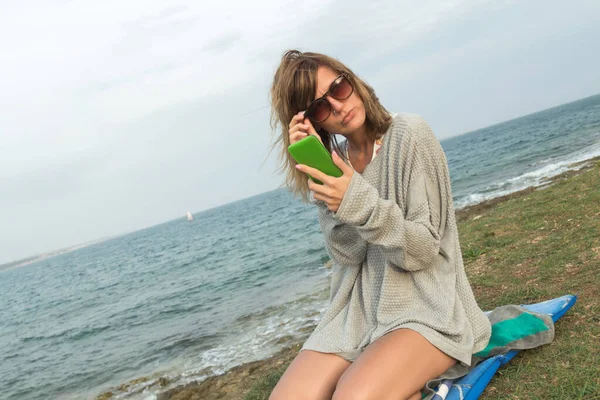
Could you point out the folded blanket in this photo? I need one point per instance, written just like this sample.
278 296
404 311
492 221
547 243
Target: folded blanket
514 328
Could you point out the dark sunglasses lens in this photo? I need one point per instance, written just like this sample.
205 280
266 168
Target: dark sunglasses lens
342 90
319 111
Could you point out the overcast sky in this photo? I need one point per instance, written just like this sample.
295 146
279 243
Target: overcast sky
117 115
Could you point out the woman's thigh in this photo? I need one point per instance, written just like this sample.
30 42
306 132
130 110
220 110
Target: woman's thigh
395 366
311 375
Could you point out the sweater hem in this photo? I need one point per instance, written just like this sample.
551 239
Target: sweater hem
436 339
348 355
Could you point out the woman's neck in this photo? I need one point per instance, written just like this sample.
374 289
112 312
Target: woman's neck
359 142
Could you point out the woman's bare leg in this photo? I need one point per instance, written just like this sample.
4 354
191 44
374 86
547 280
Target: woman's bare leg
311 376
416 396
394 367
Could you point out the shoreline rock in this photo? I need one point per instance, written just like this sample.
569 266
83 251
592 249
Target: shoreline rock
234 383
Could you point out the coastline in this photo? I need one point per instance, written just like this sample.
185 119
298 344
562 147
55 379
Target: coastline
234 383
475 209
44 256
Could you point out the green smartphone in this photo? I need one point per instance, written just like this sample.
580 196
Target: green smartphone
310 151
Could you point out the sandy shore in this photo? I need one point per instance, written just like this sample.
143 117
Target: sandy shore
237 381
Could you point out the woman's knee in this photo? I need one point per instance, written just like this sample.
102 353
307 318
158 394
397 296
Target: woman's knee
311 375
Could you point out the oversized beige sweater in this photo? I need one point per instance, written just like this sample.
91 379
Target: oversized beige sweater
396 255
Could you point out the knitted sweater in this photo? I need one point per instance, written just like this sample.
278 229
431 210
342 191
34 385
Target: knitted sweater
396 255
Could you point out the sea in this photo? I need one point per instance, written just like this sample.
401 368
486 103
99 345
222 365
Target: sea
185 300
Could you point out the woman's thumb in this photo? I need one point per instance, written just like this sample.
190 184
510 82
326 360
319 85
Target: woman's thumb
337 160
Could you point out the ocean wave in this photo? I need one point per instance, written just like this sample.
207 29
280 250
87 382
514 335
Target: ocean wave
256 336
36 338
182 309
269 336
316 250
73 334
536 178
541 162
186 342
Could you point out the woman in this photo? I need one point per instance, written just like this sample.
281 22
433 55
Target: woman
401 311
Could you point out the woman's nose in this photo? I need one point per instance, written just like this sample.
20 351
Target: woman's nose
336 105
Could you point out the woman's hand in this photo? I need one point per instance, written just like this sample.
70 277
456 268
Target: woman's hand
333 189
300 128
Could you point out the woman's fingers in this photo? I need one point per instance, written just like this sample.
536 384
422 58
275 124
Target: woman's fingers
324 189
332 203
299 127
298 130
295 119
322 197
297 136
315 173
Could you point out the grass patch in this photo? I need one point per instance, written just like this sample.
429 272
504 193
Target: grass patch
472 253
531 248
547 250
263 388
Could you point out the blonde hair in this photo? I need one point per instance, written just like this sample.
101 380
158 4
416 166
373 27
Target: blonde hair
293 88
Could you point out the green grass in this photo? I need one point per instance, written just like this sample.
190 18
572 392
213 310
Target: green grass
528 249
262 389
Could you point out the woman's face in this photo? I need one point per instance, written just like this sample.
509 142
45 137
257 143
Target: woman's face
350 113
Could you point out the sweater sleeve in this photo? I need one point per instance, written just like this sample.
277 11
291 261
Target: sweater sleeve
343 243
410 236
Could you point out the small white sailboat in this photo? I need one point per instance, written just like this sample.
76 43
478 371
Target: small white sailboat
190 217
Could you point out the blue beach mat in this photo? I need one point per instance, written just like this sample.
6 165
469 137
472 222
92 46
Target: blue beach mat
470 386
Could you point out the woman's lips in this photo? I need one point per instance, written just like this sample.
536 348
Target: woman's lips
348 117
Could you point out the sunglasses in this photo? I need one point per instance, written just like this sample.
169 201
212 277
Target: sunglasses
320 109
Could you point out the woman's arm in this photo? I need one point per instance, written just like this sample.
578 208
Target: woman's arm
410 237
344 245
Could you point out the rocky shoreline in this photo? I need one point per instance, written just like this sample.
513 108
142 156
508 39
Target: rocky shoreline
233 384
